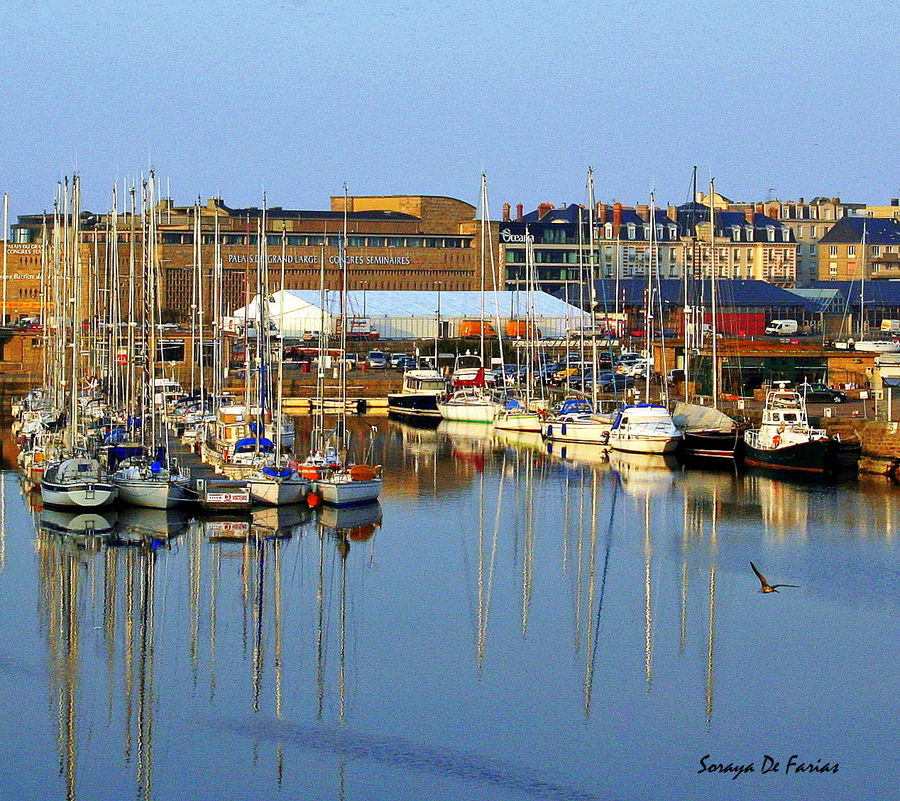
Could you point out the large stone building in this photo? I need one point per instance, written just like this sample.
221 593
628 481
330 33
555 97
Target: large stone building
748 244
858 246
394 242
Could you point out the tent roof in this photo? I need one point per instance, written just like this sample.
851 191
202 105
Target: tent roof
422 303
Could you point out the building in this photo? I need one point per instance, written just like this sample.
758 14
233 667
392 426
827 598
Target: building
562 244
626 241
748 245
857 246
393 242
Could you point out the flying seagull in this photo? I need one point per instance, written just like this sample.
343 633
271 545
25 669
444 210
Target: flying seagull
766 587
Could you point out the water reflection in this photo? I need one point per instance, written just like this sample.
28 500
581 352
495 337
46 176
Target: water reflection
569 598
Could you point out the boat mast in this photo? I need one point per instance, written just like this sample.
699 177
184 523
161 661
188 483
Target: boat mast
862 287
484 238
712 292
343 305
593 292
648 312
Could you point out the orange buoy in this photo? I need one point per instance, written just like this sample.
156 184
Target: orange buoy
313 500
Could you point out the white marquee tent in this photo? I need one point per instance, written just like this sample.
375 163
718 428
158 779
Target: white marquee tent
413 314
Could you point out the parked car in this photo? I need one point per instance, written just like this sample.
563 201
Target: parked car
821 393
614 382
405 363
396 358
376 360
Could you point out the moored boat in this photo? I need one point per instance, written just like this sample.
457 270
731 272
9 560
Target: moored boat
785 441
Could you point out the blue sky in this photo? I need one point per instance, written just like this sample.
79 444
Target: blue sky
297 97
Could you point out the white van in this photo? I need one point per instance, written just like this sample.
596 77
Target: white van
890 327
781 328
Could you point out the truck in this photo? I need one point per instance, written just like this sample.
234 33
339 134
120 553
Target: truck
782 328
358 328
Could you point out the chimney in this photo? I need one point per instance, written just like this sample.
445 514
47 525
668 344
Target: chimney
617 218
643 212
544 209
748 215
672 213
895 201
506 212
600 213
518 212
760 209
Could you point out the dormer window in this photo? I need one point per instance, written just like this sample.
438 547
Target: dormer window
631 230
659 232
608 230
646 231
673 232
736 233
771 231
748 230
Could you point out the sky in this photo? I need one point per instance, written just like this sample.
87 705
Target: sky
295 98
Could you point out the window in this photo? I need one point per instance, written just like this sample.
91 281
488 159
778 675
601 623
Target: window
832 250
851 250
876 250
608 230
631 230
832 268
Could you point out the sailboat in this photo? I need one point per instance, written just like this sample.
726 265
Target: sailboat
579 420
707 433
76 478
524 414
276 481
339 482
470 401
645 427
152 480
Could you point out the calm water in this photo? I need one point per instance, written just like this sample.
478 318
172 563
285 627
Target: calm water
507 624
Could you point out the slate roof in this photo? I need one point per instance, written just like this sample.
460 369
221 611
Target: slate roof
689 214
732 293
878 293
879 231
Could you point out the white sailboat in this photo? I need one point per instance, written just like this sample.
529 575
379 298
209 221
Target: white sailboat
471 401
645 427
277 481
152 480
346 484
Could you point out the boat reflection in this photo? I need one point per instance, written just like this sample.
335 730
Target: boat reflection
644 474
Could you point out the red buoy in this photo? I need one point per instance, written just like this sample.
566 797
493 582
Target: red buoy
313 500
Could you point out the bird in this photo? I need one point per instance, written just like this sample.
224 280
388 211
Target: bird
766 587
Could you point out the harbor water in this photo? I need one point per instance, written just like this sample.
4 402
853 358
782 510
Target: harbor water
507 623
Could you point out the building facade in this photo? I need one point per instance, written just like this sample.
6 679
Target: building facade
393 242
861 247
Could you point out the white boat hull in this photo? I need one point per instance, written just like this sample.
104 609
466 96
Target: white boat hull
518 421
162 494
643 443
585 432
275 491
89 495
339 492
474 412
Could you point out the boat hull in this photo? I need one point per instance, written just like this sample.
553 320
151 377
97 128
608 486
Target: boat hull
816 457
152 494
644 443
275 491
518 421
477 412
414 406
712 444
583 432
85 495
348 493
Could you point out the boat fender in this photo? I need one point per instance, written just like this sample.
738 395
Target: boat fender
776 440
563 429
313 500
550 430
604 437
